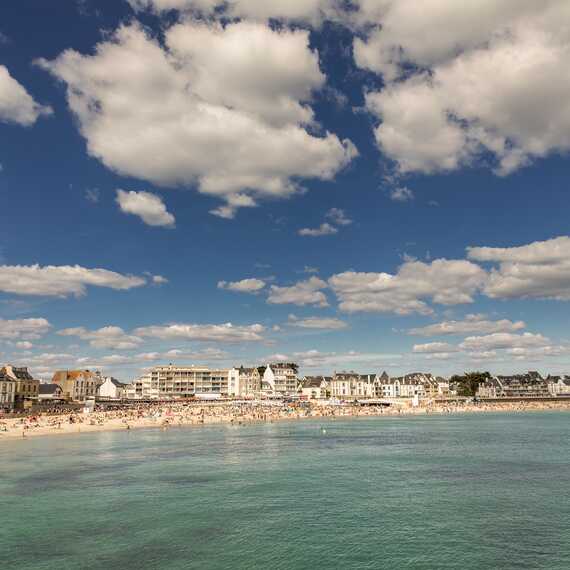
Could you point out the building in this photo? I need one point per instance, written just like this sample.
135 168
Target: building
280 379
350 385
249 382
529 385
179 382
78 385
50 393
112 389
558 385
7 392
417 384
27 388
315 387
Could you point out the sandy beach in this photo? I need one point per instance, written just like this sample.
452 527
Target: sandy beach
164 416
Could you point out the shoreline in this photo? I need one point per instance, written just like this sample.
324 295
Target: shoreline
176 415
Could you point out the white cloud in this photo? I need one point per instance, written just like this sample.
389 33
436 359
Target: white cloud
302 293
159 279
503 341
224 108
16 104
434 348
401 194
338 216
313 11
341 360
27 329
149 207
321 323
61 280
106 337
446 282
208 333
325 229
24 345
471 324
489 64
540 270
251 285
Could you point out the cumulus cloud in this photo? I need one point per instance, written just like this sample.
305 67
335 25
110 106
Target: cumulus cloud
302 293
470 88
401 194
320 323
27 329
504 341
24 345
434 348
226 332
338 216
471 324
339 360
335 216
251 285
61 280
325 229
223 108
540 270
106 337
147 206
312 11
16 104
445 282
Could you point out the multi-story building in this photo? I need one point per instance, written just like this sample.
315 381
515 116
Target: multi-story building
50 393
179 382
78 385
558 385
529 385
7 392
280 379
315 387
346 385
417 385
248 383
27 388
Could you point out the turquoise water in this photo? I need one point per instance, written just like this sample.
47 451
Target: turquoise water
465 491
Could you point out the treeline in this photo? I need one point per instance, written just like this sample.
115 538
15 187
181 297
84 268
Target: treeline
467 384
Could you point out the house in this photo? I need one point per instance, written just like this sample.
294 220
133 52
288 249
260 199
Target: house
112 389
50 393
417 384
315 387
558 385
26 387
249 382
529 385
7 392
350 385
280 379
78 385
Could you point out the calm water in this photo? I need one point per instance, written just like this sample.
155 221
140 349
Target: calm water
470 491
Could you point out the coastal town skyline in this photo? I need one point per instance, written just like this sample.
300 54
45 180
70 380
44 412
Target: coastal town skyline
331 206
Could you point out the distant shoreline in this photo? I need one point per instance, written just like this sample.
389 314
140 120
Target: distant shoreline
179 415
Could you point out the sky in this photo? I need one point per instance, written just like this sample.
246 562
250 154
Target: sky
348 185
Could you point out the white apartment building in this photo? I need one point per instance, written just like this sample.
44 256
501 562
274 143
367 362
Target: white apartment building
280 379
178 382
558 385
350 385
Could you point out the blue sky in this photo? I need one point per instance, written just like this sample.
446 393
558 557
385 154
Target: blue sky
313 175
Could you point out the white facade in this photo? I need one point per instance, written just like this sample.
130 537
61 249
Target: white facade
280 379
178 382
559 386
349 385
112 389
7 393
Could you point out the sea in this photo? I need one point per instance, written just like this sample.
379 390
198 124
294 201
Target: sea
466 491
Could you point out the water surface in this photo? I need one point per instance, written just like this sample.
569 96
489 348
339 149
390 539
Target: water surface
466 491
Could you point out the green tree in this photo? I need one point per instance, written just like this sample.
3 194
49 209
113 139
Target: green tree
468 383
